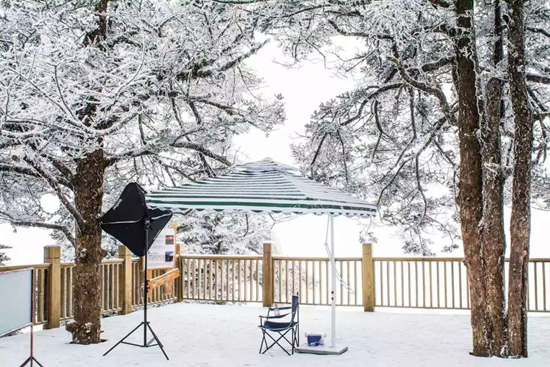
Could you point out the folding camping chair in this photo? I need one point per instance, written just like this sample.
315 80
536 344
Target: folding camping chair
281 327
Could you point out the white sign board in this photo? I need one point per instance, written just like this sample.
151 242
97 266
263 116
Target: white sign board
15 300
161 253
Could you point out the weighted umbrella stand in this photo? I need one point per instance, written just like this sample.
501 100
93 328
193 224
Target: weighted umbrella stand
146 325
332 349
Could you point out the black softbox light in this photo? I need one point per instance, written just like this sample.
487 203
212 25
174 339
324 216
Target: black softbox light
125 221
135 225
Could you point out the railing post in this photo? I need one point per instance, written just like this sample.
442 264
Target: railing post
52 256
179 280
368 278
125 279
267 276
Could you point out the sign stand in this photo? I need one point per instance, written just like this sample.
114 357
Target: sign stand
144 323
31 358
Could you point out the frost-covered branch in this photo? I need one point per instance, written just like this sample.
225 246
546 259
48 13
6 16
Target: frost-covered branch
147 93
68 233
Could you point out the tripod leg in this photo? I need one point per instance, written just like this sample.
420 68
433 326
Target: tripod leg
154 335
26 362
121 340
40 364
158 341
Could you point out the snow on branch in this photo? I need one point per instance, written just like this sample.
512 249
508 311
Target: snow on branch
110 92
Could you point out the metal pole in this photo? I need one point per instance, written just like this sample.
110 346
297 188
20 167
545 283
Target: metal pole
32 318
147 224
333 292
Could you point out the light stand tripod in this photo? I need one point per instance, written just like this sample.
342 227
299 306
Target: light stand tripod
146 325
31 358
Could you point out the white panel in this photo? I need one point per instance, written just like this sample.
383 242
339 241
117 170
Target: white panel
161 253
15 299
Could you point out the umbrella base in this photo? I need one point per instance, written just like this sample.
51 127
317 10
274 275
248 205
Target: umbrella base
323 350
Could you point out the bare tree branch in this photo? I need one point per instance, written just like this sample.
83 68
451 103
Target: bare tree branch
539 30
45 225
537 78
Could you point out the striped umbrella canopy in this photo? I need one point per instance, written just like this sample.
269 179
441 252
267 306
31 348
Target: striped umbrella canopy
261 187
267 187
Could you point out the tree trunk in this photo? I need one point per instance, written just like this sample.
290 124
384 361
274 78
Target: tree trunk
87 274
88 191
470 197
492 230
520 221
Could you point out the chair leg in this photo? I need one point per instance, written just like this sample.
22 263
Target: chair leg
293 340
263 341
276 342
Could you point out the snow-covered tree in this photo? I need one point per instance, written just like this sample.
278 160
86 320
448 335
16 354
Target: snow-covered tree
219 234
3 256
444 125
97 93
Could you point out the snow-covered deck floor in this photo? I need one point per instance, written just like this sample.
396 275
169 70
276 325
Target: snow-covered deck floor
215 335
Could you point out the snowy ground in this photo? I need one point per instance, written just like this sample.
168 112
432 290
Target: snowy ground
212 335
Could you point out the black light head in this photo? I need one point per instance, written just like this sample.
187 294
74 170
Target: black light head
126 220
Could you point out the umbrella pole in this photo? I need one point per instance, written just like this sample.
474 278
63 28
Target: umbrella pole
333 292
332 349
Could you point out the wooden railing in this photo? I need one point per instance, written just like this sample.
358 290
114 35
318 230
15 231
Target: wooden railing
40 279
158 295
310 278
53 282
221 278
67 290
407 282
442 283
539 276
111 302
421 283
111 299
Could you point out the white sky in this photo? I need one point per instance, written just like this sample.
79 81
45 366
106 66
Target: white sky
304 89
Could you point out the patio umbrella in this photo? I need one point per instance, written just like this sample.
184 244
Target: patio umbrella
266 187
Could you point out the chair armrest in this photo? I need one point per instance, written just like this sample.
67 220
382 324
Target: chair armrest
280 308
271 309
273 317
